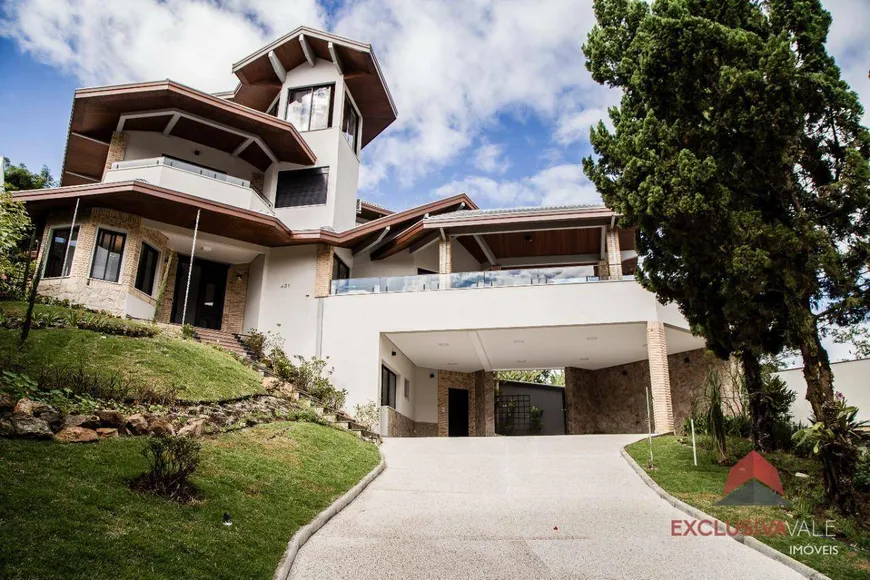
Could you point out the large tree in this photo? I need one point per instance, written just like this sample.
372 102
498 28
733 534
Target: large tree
738 153
19 178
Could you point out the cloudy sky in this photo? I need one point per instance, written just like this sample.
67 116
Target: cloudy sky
493 96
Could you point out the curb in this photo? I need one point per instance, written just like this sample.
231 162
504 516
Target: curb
304 533
721 526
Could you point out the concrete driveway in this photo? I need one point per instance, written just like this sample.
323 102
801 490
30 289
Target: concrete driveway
490 508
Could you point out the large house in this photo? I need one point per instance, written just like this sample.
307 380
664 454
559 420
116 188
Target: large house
255 191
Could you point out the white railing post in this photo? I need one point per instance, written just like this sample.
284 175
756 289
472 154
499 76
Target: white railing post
72 229
190 268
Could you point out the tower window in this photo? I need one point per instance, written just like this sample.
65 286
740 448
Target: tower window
310 108
350 123
302 187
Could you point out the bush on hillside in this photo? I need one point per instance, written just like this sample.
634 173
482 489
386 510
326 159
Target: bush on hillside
171 461
83 319
862 475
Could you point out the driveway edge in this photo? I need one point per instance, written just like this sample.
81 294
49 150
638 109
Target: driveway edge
748 541
304 533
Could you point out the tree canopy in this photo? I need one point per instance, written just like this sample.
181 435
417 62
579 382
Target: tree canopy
19 178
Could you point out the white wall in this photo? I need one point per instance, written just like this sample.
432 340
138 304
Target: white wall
138 308
852 378
405 263
287 302
426 396
254 293
148 144
353 324
331 150
404 369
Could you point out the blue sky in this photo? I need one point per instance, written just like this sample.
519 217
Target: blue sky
492 95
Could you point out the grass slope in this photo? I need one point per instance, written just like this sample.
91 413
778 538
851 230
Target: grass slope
203 373
702 487
68 513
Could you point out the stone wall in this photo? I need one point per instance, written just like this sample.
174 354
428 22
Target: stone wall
323 270
164 309
688 372
613 400
79 286
234 301
399 425
484 384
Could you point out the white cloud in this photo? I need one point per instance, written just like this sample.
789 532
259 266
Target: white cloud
489 158
194 42
557 185
574 127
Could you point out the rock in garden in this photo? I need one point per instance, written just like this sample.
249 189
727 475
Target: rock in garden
111 418
76 435
106 432
161 426
24 408
7 429
137 424
801 475
7 403
86 421
31 426
194 428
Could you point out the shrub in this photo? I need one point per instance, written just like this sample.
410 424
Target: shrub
536 421
171 461
255 341
715 416
368 415
862 473
187 331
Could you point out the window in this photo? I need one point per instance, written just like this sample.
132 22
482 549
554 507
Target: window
147 269
407 389
350 123
107 256
302 187
388 387
340 270
57 245
311 108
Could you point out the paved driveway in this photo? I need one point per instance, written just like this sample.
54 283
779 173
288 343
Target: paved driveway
489 508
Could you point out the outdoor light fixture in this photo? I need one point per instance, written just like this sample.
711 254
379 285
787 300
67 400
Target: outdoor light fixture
584 358
521 361
431 375
452 364
443 344
394 353
527 239
519 341
591 338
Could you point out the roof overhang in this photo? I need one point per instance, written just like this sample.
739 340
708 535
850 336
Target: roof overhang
355 61
162 205
173 109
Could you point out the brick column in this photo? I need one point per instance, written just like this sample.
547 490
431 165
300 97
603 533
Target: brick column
485 398
117 150
614 255
445 262
660 382
323 275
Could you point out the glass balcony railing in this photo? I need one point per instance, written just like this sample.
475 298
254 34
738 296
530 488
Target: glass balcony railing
460 280
183 165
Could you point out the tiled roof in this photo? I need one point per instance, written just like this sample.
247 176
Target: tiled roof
512 210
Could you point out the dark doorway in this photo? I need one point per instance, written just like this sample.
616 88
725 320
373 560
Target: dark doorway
457 413
208 286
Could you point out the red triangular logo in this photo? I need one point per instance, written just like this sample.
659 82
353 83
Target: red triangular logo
753 466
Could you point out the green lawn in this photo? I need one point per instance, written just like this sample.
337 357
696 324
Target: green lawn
702 487
67 511
19 308
202 373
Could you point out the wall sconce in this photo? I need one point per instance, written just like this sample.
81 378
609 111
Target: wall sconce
431 375
687 360
624 373
239 277
394 353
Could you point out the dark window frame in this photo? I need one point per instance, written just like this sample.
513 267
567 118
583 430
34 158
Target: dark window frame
114 234
351 106
388 387
340 270
50 263
311 89
302 196
141 276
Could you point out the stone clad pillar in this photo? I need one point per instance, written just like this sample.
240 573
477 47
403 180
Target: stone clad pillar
614 254
323 272
660 382
117 150
445 262
485 398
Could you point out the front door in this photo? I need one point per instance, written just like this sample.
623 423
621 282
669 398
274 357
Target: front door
457 413
208 286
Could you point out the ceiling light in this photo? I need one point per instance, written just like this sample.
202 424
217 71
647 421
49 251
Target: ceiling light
443 344
519 341
591 338
584 358
521 361
452 364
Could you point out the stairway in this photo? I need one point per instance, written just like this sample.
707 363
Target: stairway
225 340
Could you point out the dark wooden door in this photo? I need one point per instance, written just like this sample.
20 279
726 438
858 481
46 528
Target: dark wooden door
208 287
457 413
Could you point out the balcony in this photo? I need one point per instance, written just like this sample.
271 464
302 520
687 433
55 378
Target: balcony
466 280
193 179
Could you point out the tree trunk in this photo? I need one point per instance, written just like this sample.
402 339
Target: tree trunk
839 457
759 409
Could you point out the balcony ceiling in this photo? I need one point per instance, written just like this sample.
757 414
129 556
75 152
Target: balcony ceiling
166 106
588 347
357 62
